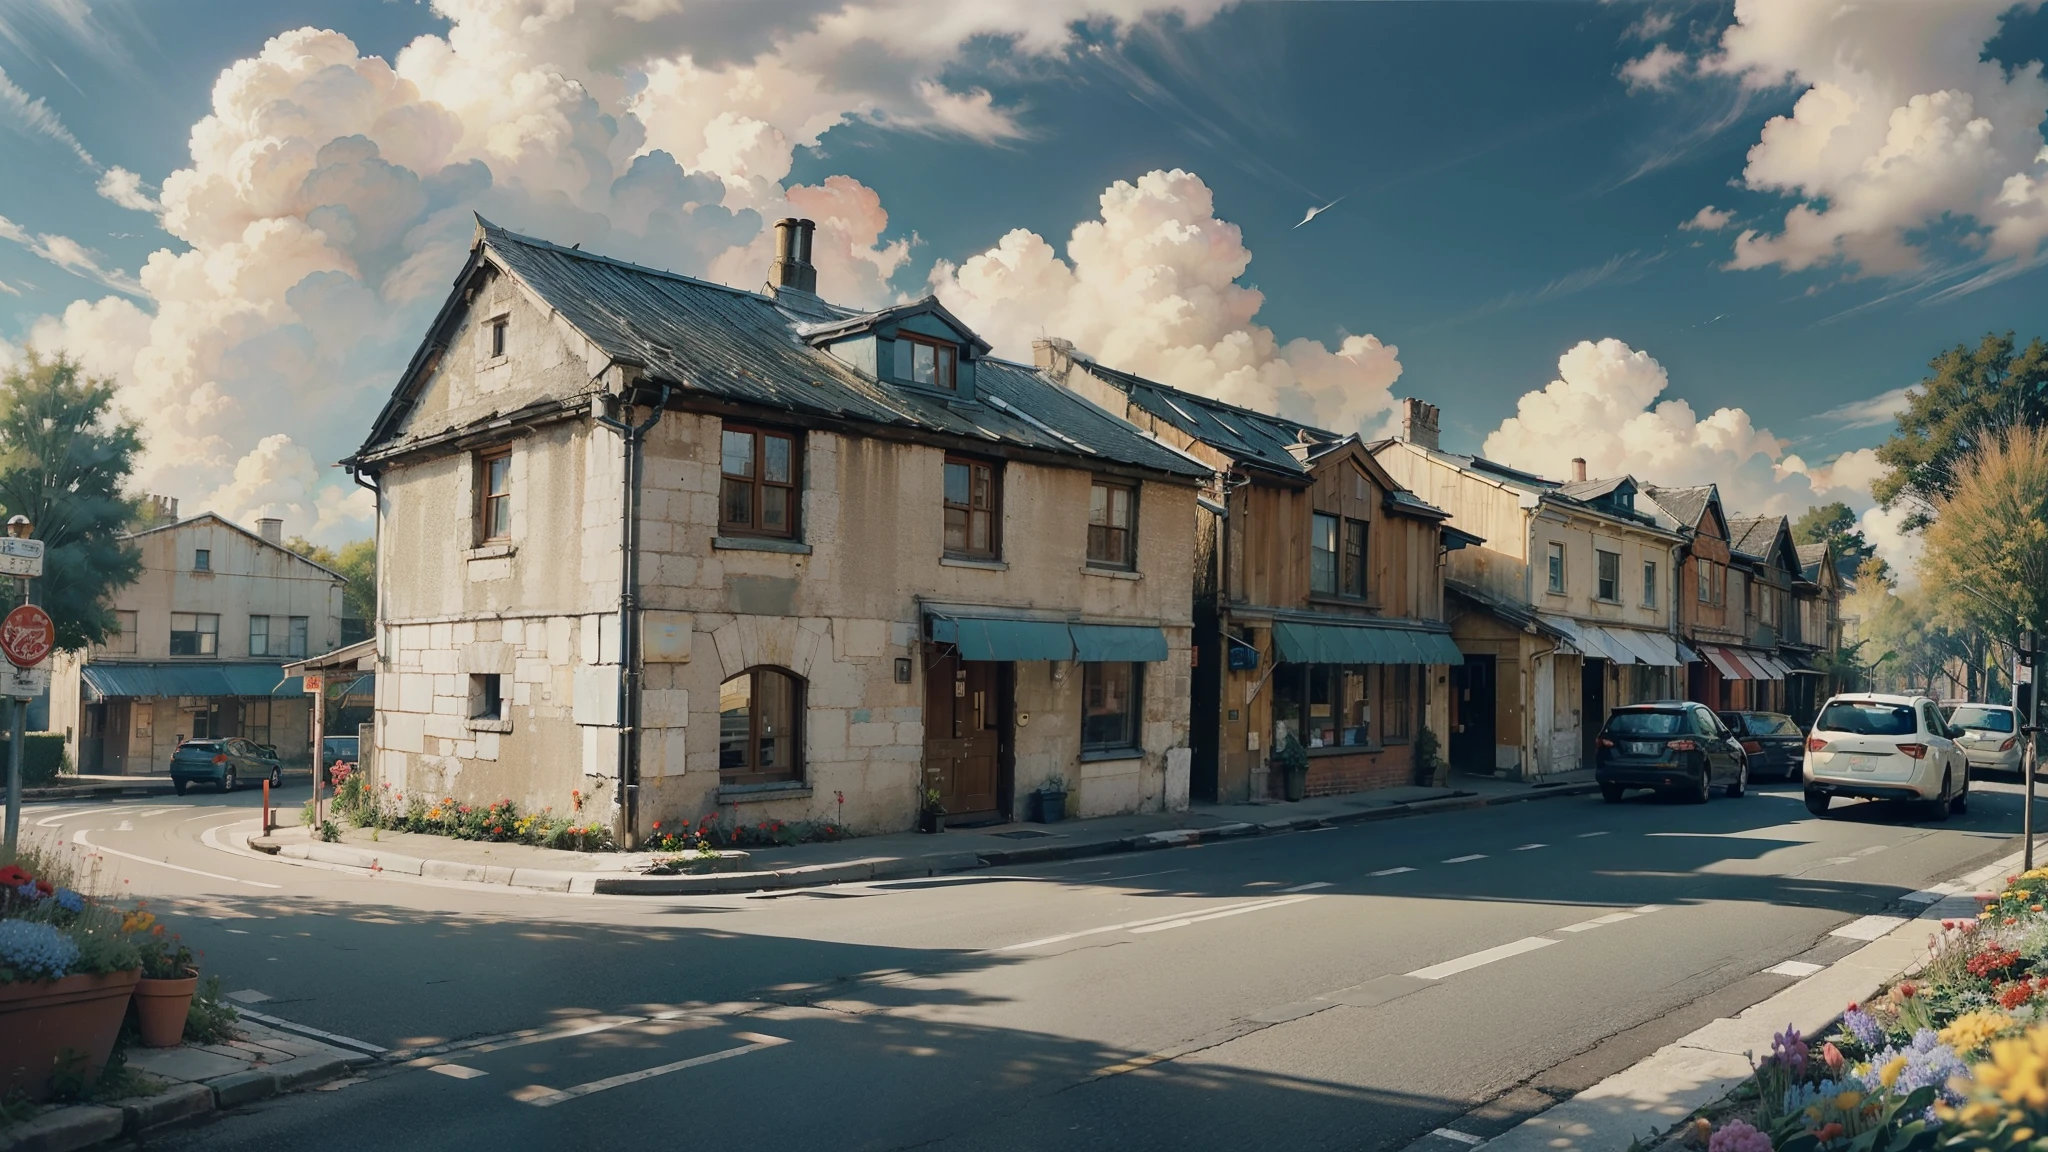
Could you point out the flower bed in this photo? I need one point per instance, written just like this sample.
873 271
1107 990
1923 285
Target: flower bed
1955 1058
502 822
713 832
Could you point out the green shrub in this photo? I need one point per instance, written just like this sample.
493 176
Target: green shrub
43 758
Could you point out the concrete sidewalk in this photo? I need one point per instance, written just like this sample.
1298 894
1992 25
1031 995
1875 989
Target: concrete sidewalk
888 857
89 787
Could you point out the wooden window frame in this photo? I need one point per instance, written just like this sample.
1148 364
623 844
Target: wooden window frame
1132 740
758 483
253 650
197 632
1649 583
1605 590
1397 713
1129 563
994 511
485 497
1336 551
499 335
750 773
1360 588
945 362
1557 579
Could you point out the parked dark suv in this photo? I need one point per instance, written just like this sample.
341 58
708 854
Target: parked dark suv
1775 742
1675 747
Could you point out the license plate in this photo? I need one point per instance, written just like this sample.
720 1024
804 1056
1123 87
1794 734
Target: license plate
1642 749
1863 763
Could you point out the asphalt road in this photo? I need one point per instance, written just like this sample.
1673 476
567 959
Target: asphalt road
1352 988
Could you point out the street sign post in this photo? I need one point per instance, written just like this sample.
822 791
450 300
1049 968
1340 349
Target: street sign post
2028 658
26 637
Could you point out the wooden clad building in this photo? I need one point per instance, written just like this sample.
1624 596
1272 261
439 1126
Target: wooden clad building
1319 608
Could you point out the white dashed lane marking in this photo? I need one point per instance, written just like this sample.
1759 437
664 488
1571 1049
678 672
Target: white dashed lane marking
1390 871
1460 1137
1478 959
1797 969
1466 859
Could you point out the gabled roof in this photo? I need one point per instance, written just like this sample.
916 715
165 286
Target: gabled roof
1765 538
708 340
1812 558
823 333
1590 490
230 525
1684 505
1252 438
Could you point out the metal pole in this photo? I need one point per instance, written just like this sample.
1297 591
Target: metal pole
2033 760
13 774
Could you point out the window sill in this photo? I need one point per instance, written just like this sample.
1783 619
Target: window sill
1107 754
1111 573
480 724
758 793
759 544
984 565
493 362
497 551
1607 600
1336 600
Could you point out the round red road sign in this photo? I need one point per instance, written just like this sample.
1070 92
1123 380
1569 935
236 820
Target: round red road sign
27 635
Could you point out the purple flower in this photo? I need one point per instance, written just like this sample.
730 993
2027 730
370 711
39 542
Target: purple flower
1736 1136
1788 1049
1864 1028
29 892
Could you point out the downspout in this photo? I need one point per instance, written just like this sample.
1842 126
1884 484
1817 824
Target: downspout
626 794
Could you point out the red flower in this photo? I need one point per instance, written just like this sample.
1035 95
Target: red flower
12 876
46 888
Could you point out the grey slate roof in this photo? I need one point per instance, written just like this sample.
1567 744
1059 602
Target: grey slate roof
741 347
1252 437
1811 557
1588 490
1753 535
1685 505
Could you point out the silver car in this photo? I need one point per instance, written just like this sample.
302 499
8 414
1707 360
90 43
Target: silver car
1990 737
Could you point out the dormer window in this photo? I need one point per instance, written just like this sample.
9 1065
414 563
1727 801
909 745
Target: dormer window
922 360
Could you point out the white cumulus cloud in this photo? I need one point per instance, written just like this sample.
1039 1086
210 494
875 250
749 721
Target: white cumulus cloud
1656 69
1708 219
125 188
1151 285
1905 125
1606 406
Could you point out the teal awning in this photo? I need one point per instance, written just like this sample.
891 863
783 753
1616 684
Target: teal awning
1116 643
1003 638
123 680
1328 643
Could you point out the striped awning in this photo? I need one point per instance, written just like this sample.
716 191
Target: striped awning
1742 663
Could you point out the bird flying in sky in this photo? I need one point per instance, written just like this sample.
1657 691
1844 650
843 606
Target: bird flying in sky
1315 212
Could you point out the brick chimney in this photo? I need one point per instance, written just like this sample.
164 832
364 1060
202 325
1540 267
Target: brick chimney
164 508
1578 467
1419 422
271 529
792 267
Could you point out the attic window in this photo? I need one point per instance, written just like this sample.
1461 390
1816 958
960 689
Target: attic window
922 360
498 327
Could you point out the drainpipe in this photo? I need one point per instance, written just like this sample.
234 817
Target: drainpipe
626 793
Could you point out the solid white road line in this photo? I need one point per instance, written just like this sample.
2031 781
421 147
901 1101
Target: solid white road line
79 839
545 1098
1868 928
1187 920
1873 849
1466 859
156 812
1798 969
59 817
307 1030
1599 922
1390 871
1479 959
1460 1137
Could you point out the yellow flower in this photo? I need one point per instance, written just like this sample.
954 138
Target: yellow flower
1890 1075
1973 1030
1848 1101
2018 1070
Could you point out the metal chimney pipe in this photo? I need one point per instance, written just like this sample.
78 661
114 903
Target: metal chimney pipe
792 267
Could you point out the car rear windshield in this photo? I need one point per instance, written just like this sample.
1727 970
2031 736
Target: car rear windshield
1646 724
1982 719
1770 724
1865 718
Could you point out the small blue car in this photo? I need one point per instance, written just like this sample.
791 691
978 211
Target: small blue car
225 763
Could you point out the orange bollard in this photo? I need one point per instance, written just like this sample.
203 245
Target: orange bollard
266 805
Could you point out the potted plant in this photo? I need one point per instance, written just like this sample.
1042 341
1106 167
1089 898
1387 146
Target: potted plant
1292 761
931 814
67 969
1051 799
163 997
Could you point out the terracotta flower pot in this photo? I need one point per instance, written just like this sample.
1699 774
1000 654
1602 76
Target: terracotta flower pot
44 1020
161 1007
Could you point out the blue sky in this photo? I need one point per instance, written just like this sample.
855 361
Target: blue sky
1509 187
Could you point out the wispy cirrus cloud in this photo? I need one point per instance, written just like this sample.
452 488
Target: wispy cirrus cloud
1870 412
71 256
31 116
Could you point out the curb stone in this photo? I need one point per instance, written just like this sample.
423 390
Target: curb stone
876 868
179 1102
79 1126
242 1087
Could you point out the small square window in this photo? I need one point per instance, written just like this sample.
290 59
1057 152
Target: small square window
486 701
921 360
202 560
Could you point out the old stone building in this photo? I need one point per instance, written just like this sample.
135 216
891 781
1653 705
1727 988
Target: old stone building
205 633
660 547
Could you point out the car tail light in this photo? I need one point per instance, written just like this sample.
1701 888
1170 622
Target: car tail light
1754 748
2010 741
1816 744
1684 746
1916 751
220 758
1606 743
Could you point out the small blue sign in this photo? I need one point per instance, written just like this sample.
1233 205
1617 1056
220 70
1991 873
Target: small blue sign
1243 657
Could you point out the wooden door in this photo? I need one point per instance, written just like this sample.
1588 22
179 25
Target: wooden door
1592 709
114 739
963 736
1472 707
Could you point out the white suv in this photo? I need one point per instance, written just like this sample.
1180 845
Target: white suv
1886 748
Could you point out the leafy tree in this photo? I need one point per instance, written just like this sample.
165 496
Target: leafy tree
1836 524
1987 550
64 459
1971 396
357 561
